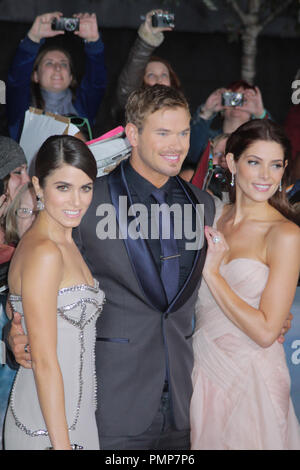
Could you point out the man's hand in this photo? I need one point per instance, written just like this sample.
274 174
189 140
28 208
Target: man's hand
286 327
88 27
17 341
42 27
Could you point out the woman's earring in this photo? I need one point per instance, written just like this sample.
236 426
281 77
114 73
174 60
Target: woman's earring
280 186
232 180
39 204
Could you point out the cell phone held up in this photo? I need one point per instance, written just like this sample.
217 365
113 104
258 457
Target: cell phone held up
232 98
65 24
163 20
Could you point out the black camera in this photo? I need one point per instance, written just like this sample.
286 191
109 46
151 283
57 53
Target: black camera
163 20
215 181
65 24
232 98
219 174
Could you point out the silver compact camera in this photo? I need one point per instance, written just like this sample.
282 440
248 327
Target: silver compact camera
65 24
163 20
232 98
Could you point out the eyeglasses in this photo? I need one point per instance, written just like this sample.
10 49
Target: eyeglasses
25 213
219 154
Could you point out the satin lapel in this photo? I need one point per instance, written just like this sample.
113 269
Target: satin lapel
192 280
138 252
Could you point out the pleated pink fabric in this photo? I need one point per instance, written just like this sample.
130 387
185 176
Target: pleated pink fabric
241 397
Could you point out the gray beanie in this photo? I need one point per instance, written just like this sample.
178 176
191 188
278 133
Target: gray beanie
11 156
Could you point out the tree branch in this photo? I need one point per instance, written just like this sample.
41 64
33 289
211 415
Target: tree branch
275 13
238 10
210 5
254 6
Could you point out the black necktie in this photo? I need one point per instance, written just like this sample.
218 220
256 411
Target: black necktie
169 272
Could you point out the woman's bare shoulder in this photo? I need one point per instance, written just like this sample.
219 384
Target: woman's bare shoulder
284 228
34 259
283 240
35 253
32 246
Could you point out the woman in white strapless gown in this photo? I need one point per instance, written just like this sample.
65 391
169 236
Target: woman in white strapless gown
52 404
241 397
78 309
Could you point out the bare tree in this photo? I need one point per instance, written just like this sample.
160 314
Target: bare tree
257 15
253 16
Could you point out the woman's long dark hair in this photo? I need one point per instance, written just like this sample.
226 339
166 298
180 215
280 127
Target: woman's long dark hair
263 129
60 150
36 95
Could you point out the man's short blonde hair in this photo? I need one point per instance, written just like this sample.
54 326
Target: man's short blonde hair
147 100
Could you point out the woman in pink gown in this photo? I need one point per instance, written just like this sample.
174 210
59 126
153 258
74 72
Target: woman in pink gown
241 397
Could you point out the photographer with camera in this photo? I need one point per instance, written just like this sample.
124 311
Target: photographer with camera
43 77
141 66
242 104
215 181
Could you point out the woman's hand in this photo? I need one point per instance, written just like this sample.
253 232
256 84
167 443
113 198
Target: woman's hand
217 248
285 329
148 22
42 27
88 27
213 104
253 102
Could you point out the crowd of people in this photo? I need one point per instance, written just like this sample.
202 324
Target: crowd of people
146 309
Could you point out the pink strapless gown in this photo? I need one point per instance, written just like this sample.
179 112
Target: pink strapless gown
241 397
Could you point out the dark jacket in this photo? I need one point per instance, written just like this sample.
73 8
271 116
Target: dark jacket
89 94
138 337
132 75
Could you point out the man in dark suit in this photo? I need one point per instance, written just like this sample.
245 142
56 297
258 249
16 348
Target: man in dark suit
144 353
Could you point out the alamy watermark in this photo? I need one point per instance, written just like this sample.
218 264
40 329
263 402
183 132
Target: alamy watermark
296 94
136 221
2 92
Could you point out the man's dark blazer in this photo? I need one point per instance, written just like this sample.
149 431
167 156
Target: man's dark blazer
138 336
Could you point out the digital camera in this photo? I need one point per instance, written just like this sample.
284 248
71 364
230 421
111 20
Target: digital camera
65 24
163 20
232 98
216 181
219 173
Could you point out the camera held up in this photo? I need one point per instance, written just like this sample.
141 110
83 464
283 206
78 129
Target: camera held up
65 24
232 98
163 20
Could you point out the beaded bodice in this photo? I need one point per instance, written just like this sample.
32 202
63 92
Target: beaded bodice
78 308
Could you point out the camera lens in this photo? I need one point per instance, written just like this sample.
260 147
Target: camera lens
70 25
219 173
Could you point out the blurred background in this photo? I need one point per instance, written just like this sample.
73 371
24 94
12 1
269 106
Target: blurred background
206 48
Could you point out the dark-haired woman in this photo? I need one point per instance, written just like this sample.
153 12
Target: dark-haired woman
202 129
241 397
45 78
53 404
142 67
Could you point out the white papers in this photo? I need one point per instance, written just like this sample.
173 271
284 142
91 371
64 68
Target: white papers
108 153
37 128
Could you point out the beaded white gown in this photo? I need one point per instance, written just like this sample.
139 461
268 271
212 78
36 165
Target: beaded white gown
78 308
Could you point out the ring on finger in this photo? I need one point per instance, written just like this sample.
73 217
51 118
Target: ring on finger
26 348
216 239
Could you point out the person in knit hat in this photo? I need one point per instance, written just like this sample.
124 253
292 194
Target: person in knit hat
13 175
